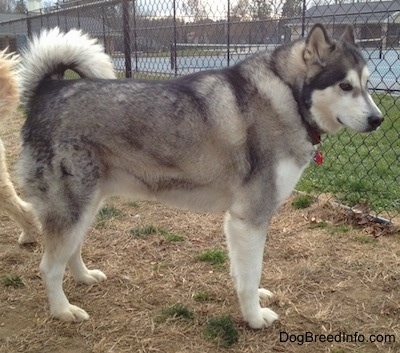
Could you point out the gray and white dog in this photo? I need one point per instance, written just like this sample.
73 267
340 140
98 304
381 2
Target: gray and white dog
234 140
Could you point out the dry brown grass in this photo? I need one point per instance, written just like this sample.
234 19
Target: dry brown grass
329 275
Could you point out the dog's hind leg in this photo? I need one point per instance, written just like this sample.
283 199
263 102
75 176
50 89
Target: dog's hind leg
246 248
62 248
81 273
19 210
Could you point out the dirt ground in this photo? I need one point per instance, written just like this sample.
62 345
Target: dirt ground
335 276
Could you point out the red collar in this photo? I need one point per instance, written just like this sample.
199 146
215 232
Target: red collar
313 133
315 138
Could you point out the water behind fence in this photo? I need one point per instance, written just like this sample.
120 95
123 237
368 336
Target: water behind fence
165 39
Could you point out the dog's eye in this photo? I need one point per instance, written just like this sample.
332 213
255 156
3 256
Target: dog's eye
345 86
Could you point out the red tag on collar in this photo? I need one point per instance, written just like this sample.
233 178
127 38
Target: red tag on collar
318 157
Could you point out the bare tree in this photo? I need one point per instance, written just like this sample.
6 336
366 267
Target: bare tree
7 6
241 9
261 9
276 7
47 3
292 8
253 9
196 9
20 6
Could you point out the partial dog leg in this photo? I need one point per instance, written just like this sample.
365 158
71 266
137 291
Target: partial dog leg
81 273
29 224
52 267
78 268
63 249
246 248
19 210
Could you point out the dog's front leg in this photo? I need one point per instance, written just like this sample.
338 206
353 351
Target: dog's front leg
246 247
52 268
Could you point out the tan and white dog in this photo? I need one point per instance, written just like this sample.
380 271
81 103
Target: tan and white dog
10 202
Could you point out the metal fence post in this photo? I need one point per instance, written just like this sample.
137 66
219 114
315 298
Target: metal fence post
303 19
28 25
79 18
104 28
135 44
127 39
228 32
173 47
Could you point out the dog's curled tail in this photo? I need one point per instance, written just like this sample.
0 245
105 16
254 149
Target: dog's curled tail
9 93
49 54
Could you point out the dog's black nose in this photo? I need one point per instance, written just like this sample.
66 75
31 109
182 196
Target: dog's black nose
374 121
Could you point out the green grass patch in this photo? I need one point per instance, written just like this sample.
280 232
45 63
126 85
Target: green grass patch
134 204
148 76
12 281
150 229
222 328
365 239
302 201
202 296
214 257
175 311
107 213
320 225
340 229
361 167
173 237
144 231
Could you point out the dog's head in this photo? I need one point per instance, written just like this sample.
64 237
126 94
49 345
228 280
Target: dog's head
336 87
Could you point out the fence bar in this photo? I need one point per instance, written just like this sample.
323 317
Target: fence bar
135 43
174 54
303 19
28 25
127 39
228 32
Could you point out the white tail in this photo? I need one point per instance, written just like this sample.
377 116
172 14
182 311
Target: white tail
53 51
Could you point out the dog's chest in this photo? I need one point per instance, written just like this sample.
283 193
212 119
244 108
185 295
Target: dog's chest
287 174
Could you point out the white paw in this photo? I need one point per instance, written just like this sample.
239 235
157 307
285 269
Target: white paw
265 318
265 293
71 313
91 277
26 238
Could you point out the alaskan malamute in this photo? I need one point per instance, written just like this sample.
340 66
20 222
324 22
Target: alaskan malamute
234 140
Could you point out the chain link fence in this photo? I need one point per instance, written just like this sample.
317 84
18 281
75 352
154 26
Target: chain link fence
161 39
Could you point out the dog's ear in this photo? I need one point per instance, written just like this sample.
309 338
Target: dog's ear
318 46
348 35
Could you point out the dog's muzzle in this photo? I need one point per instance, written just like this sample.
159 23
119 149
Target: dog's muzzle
375 121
